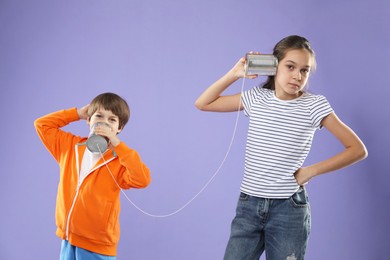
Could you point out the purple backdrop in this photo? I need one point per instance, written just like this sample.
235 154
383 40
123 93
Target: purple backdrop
160 55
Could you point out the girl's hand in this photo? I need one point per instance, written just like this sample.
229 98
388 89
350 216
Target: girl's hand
239 68
303 176
213 100
83 112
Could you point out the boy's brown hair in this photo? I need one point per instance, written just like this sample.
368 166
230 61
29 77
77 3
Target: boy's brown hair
111 102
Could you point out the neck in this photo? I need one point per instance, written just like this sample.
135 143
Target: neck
284 96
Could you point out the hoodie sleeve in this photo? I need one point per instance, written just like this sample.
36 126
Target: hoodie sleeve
55 140
136 174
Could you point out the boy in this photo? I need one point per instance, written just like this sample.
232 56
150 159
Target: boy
88 201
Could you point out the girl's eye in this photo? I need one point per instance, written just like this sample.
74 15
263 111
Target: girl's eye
113 120
290 67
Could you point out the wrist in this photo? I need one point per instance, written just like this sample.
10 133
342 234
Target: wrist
81 114
115 142
311 171
233 75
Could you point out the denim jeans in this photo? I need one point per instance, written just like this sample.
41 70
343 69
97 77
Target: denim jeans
70 252
280 227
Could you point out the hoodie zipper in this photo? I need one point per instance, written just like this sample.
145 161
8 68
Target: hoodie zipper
78 188
70 212
76 195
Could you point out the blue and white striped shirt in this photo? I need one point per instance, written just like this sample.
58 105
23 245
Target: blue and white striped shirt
279 138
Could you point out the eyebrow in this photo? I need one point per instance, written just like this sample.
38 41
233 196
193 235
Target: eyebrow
306 66
102 112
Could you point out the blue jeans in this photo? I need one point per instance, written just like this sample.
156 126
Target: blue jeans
281 227
70 252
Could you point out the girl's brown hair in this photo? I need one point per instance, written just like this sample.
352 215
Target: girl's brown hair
292 42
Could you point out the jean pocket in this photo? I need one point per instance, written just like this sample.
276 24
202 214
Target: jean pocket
244 197
300 199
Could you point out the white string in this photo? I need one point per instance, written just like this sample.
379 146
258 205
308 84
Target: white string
207 183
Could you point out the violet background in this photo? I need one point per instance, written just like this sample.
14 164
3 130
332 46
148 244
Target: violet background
160 55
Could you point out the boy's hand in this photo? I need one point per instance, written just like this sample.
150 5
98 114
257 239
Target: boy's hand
83 112
106 131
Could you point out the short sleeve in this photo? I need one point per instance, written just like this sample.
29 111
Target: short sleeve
248 98
319 110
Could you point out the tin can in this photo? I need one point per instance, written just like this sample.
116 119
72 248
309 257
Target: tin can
260 64
97 143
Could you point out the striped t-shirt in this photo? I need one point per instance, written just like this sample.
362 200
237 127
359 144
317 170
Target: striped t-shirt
279 138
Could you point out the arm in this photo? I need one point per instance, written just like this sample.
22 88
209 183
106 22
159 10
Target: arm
136 174
49 130
83 112
354 151
211 99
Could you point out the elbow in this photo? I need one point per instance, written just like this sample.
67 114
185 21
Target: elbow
200 106
361 153
36 123
147 178
140 184
148 181
142 180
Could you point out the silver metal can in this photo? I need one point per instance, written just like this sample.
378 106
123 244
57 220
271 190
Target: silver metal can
260 64
97 143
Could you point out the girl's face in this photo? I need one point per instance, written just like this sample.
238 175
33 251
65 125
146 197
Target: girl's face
293 73
105 116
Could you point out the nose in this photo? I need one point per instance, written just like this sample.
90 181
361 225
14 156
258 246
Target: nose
101 123
298 75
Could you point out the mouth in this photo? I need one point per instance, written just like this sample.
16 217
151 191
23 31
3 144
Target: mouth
293 85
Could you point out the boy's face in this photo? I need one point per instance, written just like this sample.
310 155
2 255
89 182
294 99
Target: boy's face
105 116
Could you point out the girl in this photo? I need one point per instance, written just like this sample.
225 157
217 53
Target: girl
273 213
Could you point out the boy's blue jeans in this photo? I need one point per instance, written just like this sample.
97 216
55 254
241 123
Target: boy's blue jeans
281 227
70 252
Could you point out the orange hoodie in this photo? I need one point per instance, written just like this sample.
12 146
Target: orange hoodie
87 213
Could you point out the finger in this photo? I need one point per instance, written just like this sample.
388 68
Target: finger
252 76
